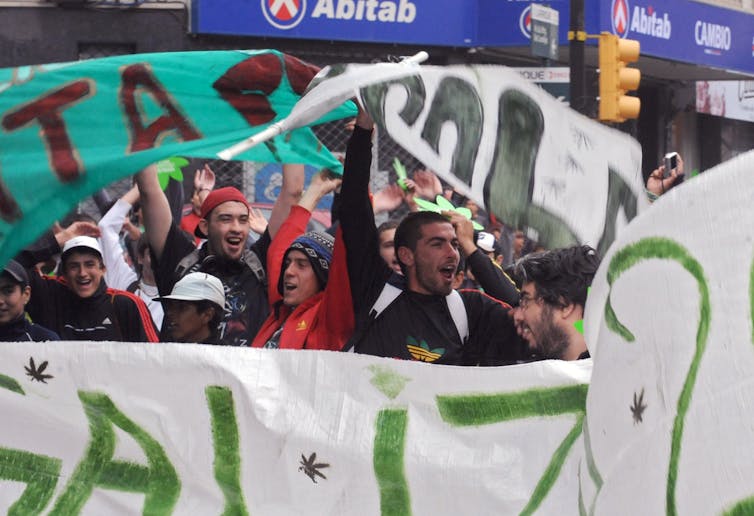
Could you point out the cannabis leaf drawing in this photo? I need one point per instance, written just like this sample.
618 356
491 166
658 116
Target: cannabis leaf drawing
37 373
170 168
637 409
311 469
442 204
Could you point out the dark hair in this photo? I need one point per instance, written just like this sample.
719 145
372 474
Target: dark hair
218 316
409 230
387 225
561 276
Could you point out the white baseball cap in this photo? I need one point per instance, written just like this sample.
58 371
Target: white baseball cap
81 242
198 286
485 241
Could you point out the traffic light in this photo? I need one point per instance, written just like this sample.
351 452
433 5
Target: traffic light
616 79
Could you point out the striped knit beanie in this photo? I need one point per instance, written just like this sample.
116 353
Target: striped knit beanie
318 248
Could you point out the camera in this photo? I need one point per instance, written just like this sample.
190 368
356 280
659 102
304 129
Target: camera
671 162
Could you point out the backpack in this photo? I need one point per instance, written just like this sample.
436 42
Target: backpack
390 293
190 263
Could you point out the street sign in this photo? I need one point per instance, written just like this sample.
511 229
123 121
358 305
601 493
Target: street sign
544 31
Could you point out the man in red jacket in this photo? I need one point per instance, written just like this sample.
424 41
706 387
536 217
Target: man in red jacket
308 283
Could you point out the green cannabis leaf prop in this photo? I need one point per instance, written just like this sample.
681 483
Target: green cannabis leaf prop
442 204
170 167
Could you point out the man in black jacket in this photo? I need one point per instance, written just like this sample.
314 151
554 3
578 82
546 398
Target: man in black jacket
422 318
78 304
14 294
225 223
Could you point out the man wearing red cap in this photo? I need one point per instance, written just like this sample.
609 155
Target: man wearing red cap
224 222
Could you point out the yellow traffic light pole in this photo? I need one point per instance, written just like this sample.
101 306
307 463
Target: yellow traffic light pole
616 78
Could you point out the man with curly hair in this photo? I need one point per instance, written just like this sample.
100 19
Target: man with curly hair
553 294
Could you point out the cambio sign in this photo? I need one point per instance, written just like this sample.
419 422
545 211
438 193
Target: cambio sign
287 14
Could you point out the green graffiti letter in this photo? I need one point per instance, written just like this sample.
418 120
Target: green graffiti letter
619 195
510 181
39 472
225 441
456 101
485 409
389 444
374 99
158 481
665 249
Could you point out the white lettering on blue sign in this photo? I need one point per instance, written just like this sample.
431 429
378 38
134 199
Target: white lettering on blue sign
712 35
385 11
651 24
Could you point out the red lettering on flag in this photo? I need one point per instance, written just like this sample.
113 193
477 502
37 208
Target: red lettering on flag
138 78
47 110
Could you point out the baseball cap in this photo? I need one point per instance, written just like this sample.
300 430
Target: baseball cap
217 197
485 241
80 242
198 286
16 271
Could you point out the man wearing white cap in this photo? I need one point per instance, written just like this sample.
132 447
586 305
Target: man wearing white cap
78 305
194 309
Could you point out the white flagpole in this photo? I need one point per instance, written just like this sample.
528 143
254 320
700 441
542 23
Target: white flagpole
309 108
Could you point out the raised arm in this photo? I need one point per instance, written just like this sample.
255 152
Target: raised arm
118 273
294 226
290 194
155 209
488 274
367 271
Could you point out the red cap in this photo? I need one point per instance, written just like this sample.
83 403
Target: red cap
217 197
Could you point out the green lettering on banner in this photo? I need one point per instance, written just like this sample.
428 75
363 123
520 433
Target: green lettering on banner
389 445
485 409
226 445
158 481
456 101
6 382
374 99
619 195
39 472
509 185
746 506
665 249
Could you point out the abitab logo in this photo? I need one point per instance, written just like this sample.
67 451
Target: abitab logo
284 14
619 16
524 22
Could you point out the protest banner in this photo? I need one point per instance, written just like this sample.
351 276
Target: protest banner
669 326
506 144
103 428
69 129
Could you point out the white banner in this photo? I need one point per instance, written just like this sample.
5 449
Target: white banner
669 322
105 428
511 147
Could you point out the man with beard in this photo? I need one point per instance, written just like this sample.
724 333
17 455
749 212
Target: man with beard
553 294
225 223
417 316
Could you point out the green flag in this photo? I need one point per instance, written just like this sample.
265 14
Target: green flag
69 129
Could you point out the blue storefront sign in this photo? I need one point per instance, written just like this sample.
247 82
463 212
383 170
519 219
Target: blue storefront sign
426 22
678 30
681 30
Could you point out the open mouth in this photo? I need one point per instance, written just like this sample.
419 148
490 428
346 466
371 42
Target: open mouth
448 271
288 287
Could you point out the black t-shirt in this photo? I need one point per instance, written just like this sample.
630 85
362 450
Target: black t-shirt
246 306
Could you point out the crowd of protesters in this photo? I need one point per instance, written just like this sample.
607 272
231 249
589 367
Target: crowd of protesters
423 286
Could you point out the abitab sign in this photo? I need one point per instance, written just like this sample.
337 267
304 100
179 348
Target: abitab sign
388 21
682 30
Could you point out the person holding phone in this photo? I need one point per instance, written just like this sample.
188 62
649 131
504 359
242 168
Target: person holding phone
666 176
